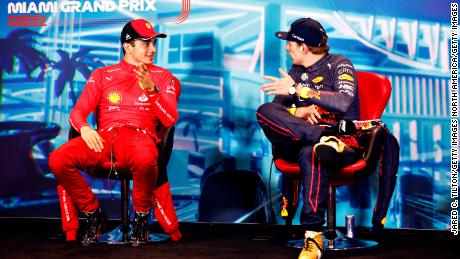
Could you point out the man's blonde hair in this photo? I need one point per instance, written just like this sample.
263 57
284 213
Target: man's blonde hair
323 47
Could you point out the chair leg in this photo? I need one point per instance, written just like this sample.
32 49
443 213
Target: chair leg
120 235
331 212
291 206
334 239
293 202
125 209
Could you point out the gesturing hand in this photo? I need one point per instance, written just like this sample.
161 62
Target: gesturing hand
144 79
279 86
92 138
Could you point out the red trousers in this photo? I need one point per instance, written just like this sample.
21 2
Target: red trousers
163 208
133 150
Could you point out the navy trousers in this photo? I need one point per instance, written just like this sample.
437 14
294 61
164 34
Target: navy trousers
293 139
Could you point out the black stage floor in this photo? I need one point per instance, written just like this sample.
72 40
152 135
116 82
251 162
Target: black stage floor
42 238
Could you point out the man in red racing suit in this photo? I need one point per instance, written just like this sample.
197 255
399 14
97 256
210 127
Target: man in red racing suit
130 100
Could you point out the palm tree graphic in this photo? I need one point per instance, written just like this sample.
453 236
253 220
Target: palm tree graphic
193 123
18 45
68 66
225 127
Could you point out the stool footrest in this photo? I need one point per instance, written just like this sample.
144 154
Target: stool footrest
119 237
342 242
339 243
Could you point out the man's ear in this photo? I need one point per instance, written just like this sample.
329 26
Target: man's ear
304 48
127 47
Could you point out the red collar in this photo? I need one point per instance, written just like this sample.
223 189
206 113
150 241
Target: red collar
129 67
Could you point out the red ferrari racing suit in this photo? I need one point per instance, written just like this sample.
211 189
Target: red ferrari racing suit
127 118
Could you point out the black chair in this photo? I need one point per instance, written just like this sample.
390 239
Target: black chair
236 196
120 235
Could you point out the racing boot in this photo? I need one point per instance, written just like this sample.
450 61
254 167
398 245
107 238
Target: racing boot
140 233
96 223
333 150
313 245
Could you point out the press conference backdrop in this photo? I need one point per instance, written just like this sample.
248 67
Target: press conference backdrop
220 53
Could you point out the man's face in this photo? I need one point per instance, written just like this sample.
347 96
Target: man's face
295 51
144 51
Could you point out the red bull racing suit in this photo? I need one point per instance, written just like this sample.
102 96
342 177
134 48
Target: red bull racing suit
330 84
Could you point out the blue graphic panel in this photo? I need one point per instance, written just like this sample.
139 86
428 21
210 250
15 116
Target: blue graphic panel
220 53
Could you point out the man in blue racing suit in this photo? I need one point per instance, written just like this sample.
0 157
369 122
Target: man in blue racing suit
319 93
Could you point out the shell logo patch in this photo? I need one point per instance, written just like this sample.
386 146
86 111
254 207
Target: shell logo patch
148 25
346 77
317 79
114 97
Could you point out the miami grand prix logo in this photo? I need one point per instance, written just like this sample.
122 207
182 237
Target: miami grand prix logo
34 13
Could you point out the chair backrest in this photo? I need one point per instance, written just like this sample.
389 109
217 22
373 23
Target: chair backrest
374 92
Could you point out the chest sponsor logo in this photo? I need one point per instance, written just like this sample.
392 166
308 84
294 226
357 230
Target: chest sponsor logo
143 98
317 79
114 97
306 93
318 87
113 108
346 77
304 76
108 78
113 70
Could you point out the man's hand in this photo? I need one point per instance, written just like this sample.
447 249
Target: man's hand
144 79
92 138
279 86
309 113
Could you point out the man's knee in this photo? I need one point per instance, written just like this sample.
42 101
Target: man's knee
57 162
145 160
265 110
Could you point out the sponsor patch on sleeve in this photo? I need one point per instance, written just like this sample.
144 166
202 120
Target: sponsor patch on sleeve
346 77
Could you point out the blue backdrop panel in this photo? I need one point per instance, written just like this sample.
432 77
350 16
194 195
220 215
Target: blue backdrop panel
220 53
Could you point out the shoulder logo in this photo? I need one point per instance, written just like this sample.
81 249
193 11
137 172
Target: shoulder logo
114 97
143 98
346 77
